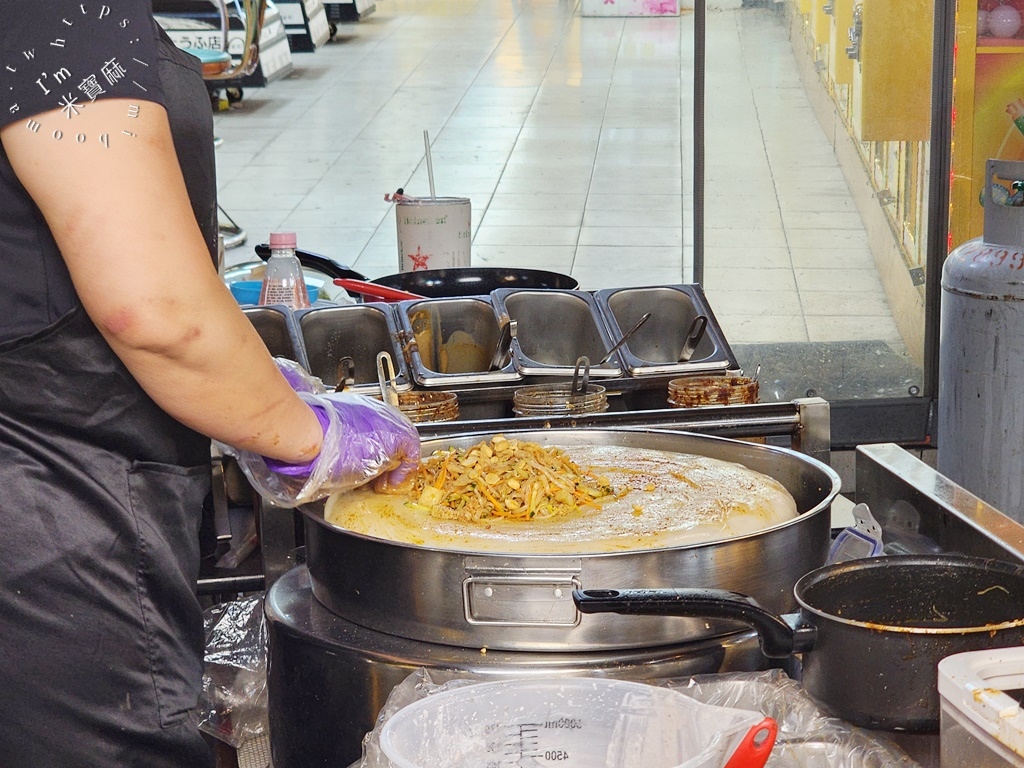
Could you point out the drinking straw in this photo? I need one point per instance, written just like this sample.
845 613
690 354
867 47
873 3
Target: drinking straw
430 165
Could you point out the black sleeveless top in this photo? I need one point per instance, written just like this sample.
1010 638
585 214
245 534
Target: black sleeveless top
101 492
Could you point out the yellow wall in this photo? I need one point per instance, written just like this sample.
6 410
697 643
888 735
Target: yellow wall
894 73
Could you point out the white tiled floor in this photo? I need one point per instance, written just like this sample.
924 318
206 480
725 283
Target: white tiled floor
573 138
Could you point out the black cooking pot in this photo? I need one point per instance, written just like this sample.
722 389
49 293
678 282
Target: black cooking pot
439 283
872 631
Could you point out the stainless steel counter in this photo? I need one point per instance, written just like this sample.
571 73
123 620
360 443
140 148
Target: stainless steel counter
922 511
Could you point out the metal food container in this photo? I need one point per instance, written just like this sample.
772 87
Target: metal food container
275 326
656 346
358 332
524 601
455 342
554 329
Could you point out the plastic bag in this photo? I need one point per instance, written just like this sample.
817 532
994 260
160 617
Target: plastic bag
299 378
807 737
233 702
416 686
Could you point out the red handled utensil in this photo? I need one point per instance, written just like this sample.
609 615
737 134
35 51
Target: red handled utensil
756 746
374 290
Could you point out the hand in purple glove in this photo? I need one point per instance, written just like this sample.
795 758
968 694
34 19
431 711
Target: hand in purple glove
363 439
374 432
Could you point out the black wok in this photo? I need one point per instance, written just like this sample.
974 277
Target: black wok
872 632
438 283
474 281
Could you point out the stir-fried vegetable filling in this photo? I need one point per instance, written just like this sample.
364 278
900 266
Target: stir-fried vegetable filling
509 479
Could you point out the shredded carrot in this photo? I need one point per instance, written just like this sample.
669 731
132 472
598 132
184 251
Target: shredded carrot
440 475
494 502
510 479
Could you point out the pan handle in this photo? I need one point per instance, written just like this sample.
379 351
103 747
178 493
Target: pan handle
779 636
316 263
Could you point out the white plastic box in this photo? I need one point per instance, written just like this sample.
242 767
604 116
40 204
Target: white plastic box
630 8
981 725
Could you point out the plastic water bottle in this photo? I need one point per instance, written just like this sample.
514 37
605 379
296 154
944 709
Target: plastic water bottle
283 282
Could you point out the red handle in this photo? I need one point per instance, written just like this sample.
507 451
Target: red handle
382 292
756 746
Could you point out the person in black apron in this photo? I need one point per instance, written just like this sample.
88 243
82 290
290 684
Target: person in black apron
105 423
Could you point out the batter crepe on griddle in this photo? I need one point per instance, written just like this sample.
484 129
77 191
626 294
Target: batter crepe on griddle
673 499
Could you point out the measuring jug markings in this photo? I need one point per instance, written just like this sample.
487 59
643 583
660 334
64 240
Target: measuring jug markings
511 736
522 742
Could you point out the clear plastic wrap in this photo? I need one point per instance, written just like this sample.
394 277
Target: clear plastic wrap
299 378
363 439
233 702
807 737
416 686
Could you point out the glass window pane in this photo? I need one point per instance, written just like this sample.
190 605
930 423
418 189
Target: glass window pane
817 118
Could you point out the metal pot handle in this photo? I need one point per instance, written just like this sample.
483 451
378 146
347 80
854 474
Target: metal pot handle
779 636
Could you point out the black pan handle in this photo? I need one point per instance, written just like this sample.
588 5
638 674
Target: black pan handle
317 263
779 636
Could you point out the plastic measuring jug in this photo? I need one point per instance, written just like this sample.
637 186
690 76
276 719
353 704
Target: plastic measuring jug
573 723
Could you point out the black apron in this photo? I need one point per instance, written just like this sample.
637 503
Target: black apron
101 634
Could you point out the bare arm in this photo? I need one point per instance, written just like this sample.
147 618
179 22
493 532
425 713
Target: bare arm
122 219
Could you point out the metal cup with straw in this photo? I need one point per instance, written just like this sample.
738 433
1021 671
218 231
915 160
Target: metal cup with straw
433 232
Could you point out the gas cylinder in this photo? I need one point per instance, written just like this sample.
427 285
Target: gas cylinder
981 352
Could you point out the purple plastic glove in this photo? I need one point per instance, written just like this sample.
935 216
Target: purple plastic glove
375 436
363 439
300 470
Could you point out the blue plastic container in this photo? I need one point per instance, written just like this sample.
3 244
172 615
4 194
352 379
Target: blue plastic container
248 291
